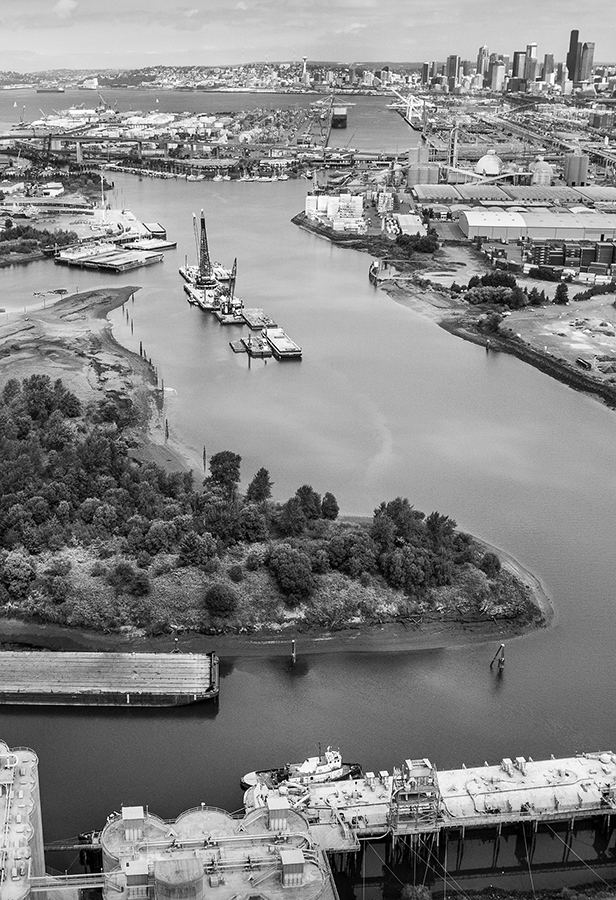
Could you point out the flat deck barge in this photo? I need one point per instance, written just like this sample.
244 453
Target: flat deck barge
107 679
282 345
256 319
107 258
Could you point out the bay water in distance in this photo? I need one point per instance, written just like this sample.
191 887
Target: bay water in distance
383 404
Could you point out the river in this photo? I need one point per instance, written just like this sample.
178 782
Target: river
384 403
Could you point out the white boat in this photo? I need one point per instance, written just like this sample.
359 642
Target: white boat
327 766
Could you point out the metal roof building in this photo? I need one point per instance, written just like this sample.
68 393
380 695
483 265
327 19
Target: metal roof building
537 225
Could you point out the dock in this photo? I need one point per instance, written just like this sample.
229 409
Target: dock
107 679
282 345
416 801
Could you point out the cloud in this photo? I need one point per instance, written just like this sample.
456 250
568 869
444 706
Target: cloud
64 9
354 28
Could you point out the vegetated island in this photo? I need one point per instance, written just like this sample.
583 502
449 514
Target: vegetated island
532 318
108 538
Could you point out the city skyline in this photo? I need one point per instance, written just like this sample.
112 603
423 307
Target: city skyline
42 34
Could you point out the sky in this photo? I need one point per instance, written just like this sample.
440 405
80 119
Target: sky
41 34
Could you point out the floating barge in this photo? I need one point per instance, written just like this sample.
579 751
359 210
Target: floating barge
106 257
282 345
155 244
256 319
256 347
107 679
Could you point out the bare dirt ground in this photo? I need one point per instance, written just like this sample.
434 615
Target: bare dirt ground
73 340
584 329
551 338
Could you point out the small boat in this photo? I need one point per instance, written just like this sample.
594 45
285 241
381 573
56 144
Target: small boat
326 767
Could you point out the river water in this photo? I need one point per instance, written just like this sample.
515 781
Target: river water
384 403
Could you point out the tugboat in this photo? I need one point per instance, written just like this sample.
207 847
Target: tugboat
325 767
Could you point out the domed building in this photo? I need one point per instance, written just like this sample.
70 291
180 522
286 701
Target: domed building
543 172
490 164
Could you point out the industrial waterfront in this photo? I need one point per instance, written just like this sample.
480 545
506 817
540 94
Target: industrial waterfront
383 404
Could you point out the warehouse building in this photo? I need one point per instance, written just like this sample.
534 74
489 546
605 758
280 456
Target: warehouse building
542 225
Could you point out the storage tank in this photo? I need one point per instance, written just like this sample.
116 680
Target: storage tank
178 879
413 176
576 169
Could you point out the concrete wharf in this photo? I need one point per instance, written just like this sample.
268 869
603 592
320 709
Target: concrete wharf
418 801
107 679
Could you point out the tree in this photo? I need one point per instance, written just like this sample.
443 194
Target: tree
562 294
310 501
329 506
292 519
252 524
260 488
383 530
440 529
490 564
196 549
407 520
225 470
353 552
18 573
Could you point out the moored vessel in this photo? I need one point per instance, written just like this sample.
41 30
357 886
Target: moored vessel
325 767
282 345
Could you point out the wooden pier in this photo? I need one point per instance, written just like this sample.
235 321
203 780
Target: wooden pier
107 679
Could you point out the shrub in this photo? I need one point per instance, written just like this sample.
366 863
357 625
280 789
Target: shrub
293 571
220 600
143 559
253 561
235 573
126 580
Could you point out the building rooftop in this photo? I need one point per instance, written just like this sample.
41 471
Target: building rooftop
21 844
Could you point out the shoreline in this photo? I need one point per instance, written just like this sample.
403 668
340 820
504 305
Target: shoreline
73 340
459 319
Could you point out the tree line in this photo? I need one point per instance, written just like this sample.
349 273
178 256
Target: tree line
67 479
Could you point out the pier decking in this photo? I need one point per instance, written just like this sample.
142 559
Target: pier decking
419 801
107 679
